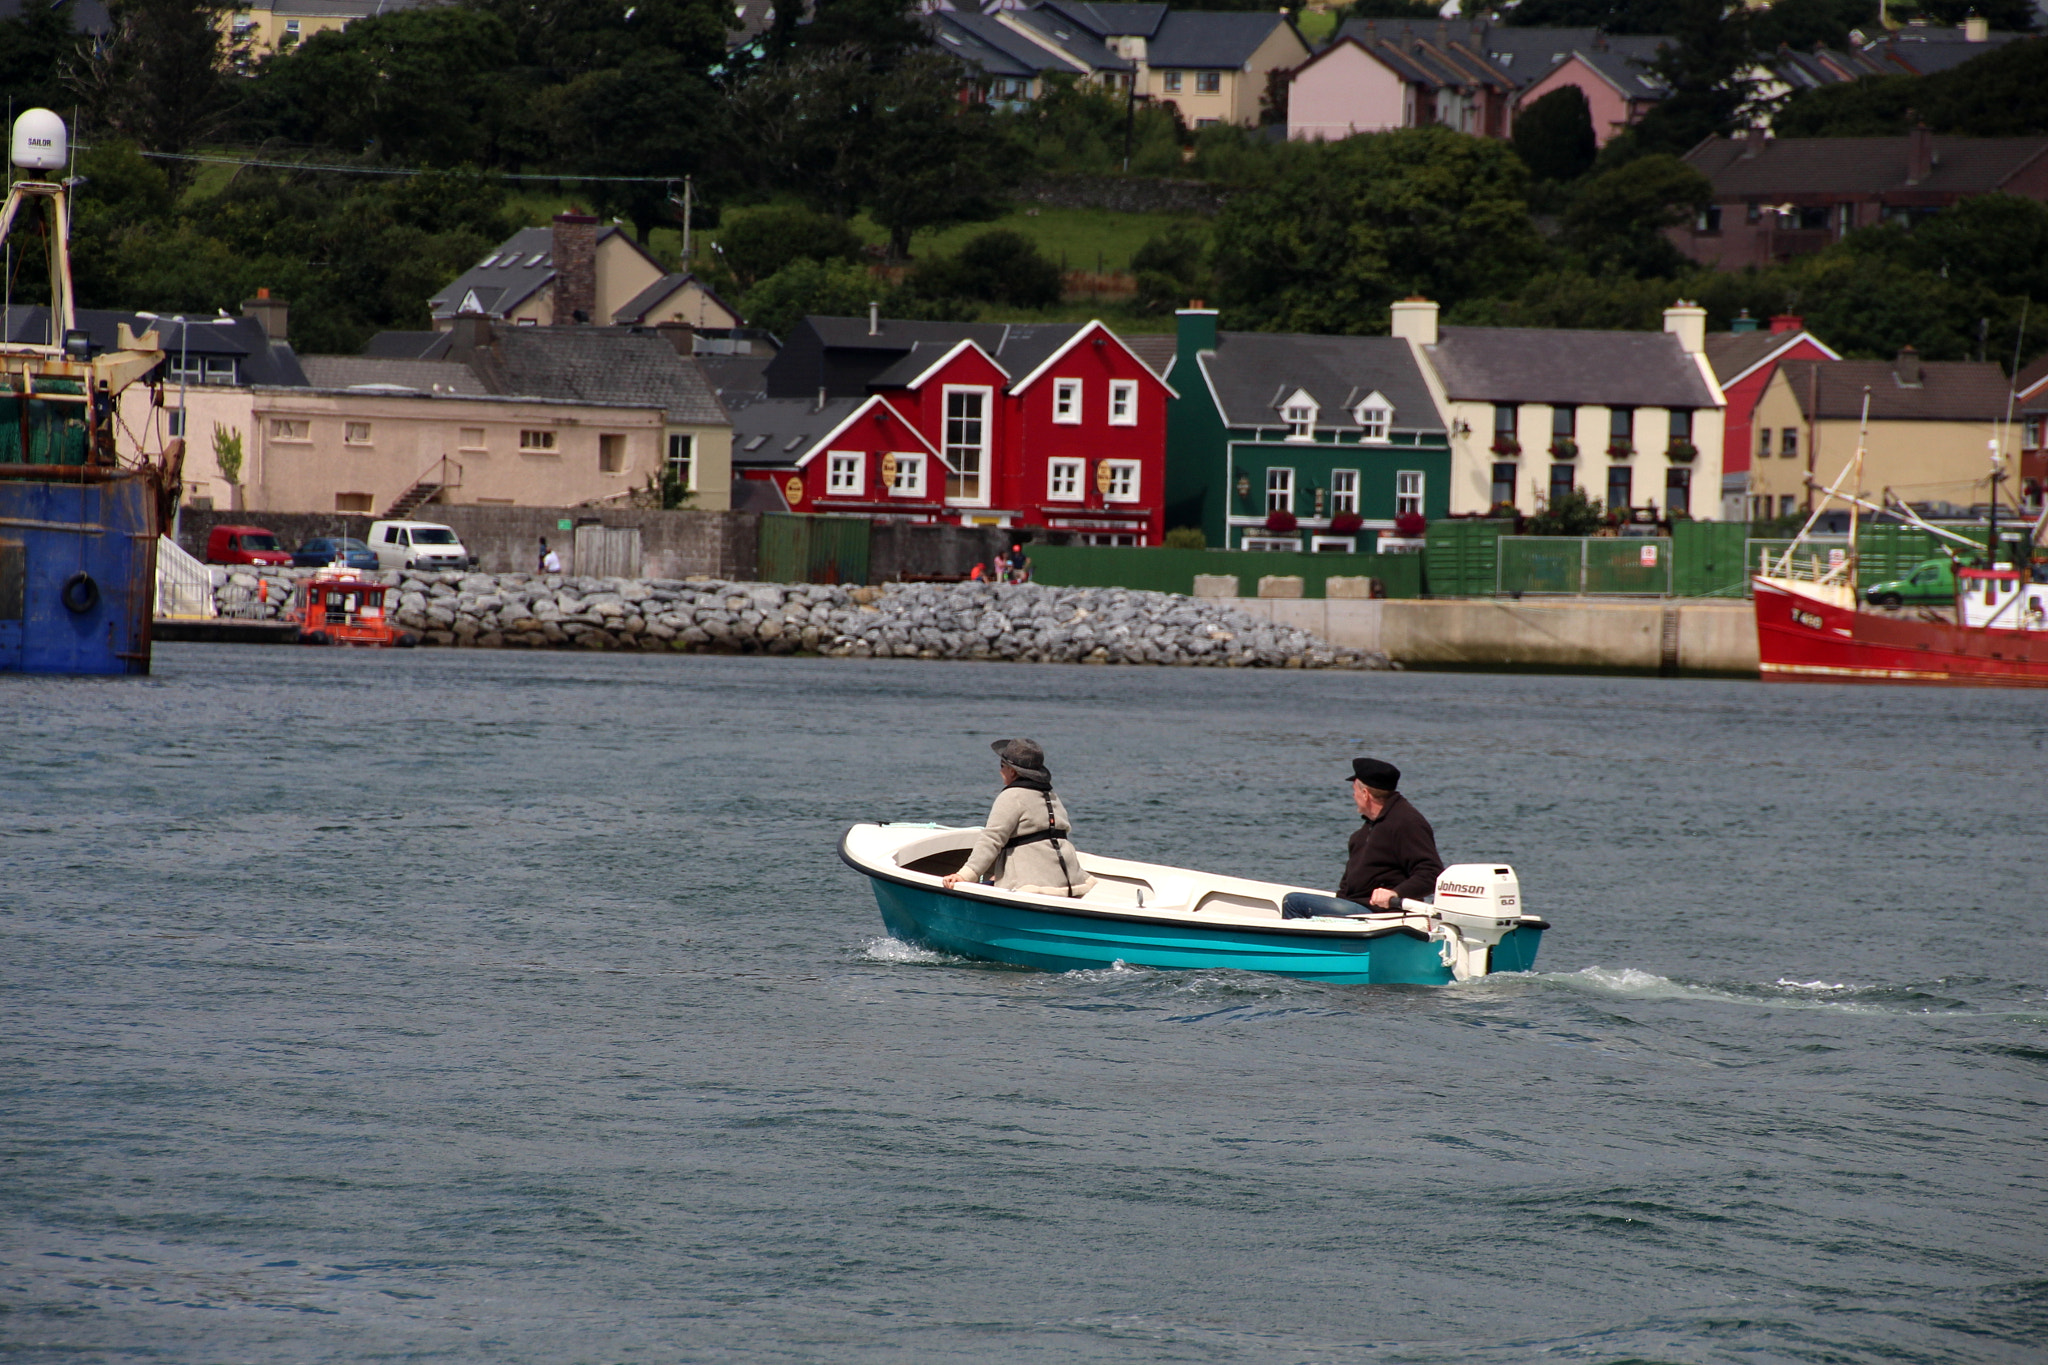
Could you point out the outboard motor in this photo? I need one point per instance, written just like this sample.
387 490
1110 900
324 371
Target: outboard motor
1477 904
1487 890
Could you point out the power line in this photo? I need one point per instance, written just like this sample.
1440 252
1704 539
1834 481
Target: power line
398 170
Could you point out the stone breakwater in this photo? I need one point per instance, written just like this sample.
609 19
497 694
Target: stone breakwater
1027 623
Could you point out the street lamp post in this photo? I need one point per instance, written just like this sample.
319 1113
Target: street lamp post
184 415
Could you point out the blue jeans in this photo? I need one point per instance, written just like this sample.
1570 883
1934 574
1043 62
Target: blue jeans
1307 905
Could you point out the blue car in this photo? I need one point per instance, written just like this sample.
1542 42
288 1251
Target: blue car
322 551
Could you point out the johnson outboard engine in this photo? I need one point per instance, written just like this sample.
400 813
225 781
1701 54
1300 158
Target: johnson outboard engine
1476 905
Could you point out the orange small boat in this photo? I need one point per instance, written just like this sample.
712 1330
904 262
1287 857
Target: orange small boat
340 607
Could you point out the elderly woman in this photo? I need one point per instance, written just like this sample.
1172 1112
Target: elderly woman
1025 844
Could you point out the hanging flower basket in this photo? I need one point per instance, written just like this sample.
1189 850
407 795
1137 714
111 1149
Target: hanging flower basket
1565 449
1346 523
1410 524
1682 452
1620 450
1280 523
1506 445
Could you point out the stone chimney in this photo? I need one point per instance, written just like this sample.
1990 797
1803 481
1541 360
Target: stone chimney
1919 154
1414 319
1976 29
270 314
467 334
575 253
1752 143
1786 322
1907 368
1688 322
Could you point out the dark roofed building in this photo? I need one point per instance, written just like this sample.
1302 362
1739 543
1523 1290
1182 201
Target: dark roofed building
847 357
1285 441
1011 67
1552 365
1775 199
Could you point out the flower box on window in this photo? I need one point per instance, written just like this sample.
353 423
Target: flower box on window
1346 523
1620 450
1682 452
1280 523
1410 524
1564 448
1506 445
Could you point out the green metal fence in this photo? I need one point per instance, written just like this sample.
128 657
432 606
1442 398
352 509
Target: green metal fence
810 549
1708 558
1461 558
1601 565
1163 570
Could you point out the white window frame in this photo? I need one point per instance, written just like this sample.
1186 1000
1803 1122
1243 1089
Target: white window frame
958 453
1300 421
1123 481
687 441
538 441
1375 423
909 475
1343 499
356 434
1064 480
220 370
1066 402
1347 545
296 429
175 421
1123 402
1279 544
1280 484
845 473
1409 487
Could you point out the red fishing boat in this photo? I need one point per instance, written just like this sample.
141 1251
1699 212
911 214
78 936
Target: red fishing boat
1810 626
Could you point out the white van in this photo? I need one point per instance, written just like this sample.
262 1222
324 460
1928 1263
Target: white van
418 545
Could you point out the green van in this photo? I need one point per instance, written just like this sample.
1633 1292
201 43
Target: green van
1932 583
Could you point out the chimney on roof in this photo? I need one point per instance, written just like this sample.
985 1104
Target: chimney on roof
270 314
1742 323
874 318
1688 322
1786 322
1752 143
1907 367
575 252
1976 29
1919 153
467 334
1414 319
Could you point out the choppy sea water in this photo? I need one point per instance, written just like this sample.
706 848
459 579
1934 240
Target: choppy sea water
478 1007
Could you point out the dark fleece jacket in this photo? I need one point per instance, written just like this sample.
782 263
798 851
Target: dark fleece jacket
1397 851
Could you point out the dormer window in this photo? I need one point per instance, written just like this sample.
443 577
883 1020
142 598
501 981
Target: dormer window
1298 414
1375 419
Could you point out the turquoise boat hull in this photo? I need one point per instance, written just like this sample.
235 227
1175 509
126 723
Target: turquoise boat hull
977 926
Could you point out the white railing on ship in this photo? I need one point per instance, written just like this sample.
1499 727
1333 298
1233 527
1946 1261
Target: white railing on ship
184 586
1808 564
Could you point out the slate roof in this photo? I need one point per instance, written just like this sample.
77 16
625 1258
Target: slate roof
508 275
1211 39
1556 365
1735 353
776 431
1453 54
1073 39
603 365
87 16
1949 391
258 360
1860 165
1156 349
637 308
1107 19
1630 75
2033 377
425 376
994 47
1253 373
407 346
1019 348
1922 50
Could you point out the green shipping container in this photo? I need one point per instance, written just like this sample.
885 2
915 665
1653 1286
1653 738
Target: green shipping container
1461 557
808 549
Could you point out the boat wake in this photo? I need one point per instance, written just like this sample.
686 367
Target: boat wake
1784 993
898 953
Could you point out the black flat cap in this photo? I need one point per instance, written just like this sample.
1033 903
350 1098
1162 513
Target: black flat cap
1376 773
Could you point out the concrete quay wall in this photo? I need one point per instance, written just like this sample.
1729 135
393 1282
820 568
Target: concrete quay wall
1576 636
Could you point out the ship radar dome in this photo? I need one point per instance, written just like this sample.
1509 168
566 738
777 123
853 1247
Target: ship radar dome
39 141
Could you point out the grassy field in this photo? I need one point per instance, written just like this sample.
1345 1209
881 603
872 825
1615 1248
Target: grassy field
1316 25
1080 239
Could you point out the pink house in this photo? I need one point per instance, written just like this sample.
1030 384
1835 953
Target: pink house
1619 88
1367 83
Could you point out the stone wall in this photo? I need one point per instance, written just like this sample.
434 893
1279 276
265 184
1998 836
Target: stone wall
507 539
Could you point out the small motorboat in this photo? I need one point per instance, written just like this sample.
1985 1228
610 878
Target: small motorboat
1172 918
338 606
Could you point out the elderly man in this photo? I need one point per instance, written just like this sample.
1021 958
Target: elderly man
1394 855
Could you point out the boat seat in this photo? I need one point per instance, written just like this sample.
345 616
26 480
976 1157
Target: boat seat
1169 893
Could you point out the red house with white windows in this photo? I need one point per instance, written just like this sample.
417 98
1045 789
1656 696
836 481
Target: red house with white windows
1060 427
1744 359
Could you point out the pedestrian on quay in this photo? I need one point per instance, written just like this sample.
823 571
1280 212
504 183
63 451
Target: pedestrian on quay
550 562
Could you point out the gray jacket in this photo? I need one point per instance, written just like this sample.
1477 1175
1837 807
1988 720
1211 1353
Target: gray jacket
1020 810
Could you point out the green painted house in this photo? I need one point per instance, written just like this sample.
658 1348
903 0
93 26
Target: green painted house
1289 442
